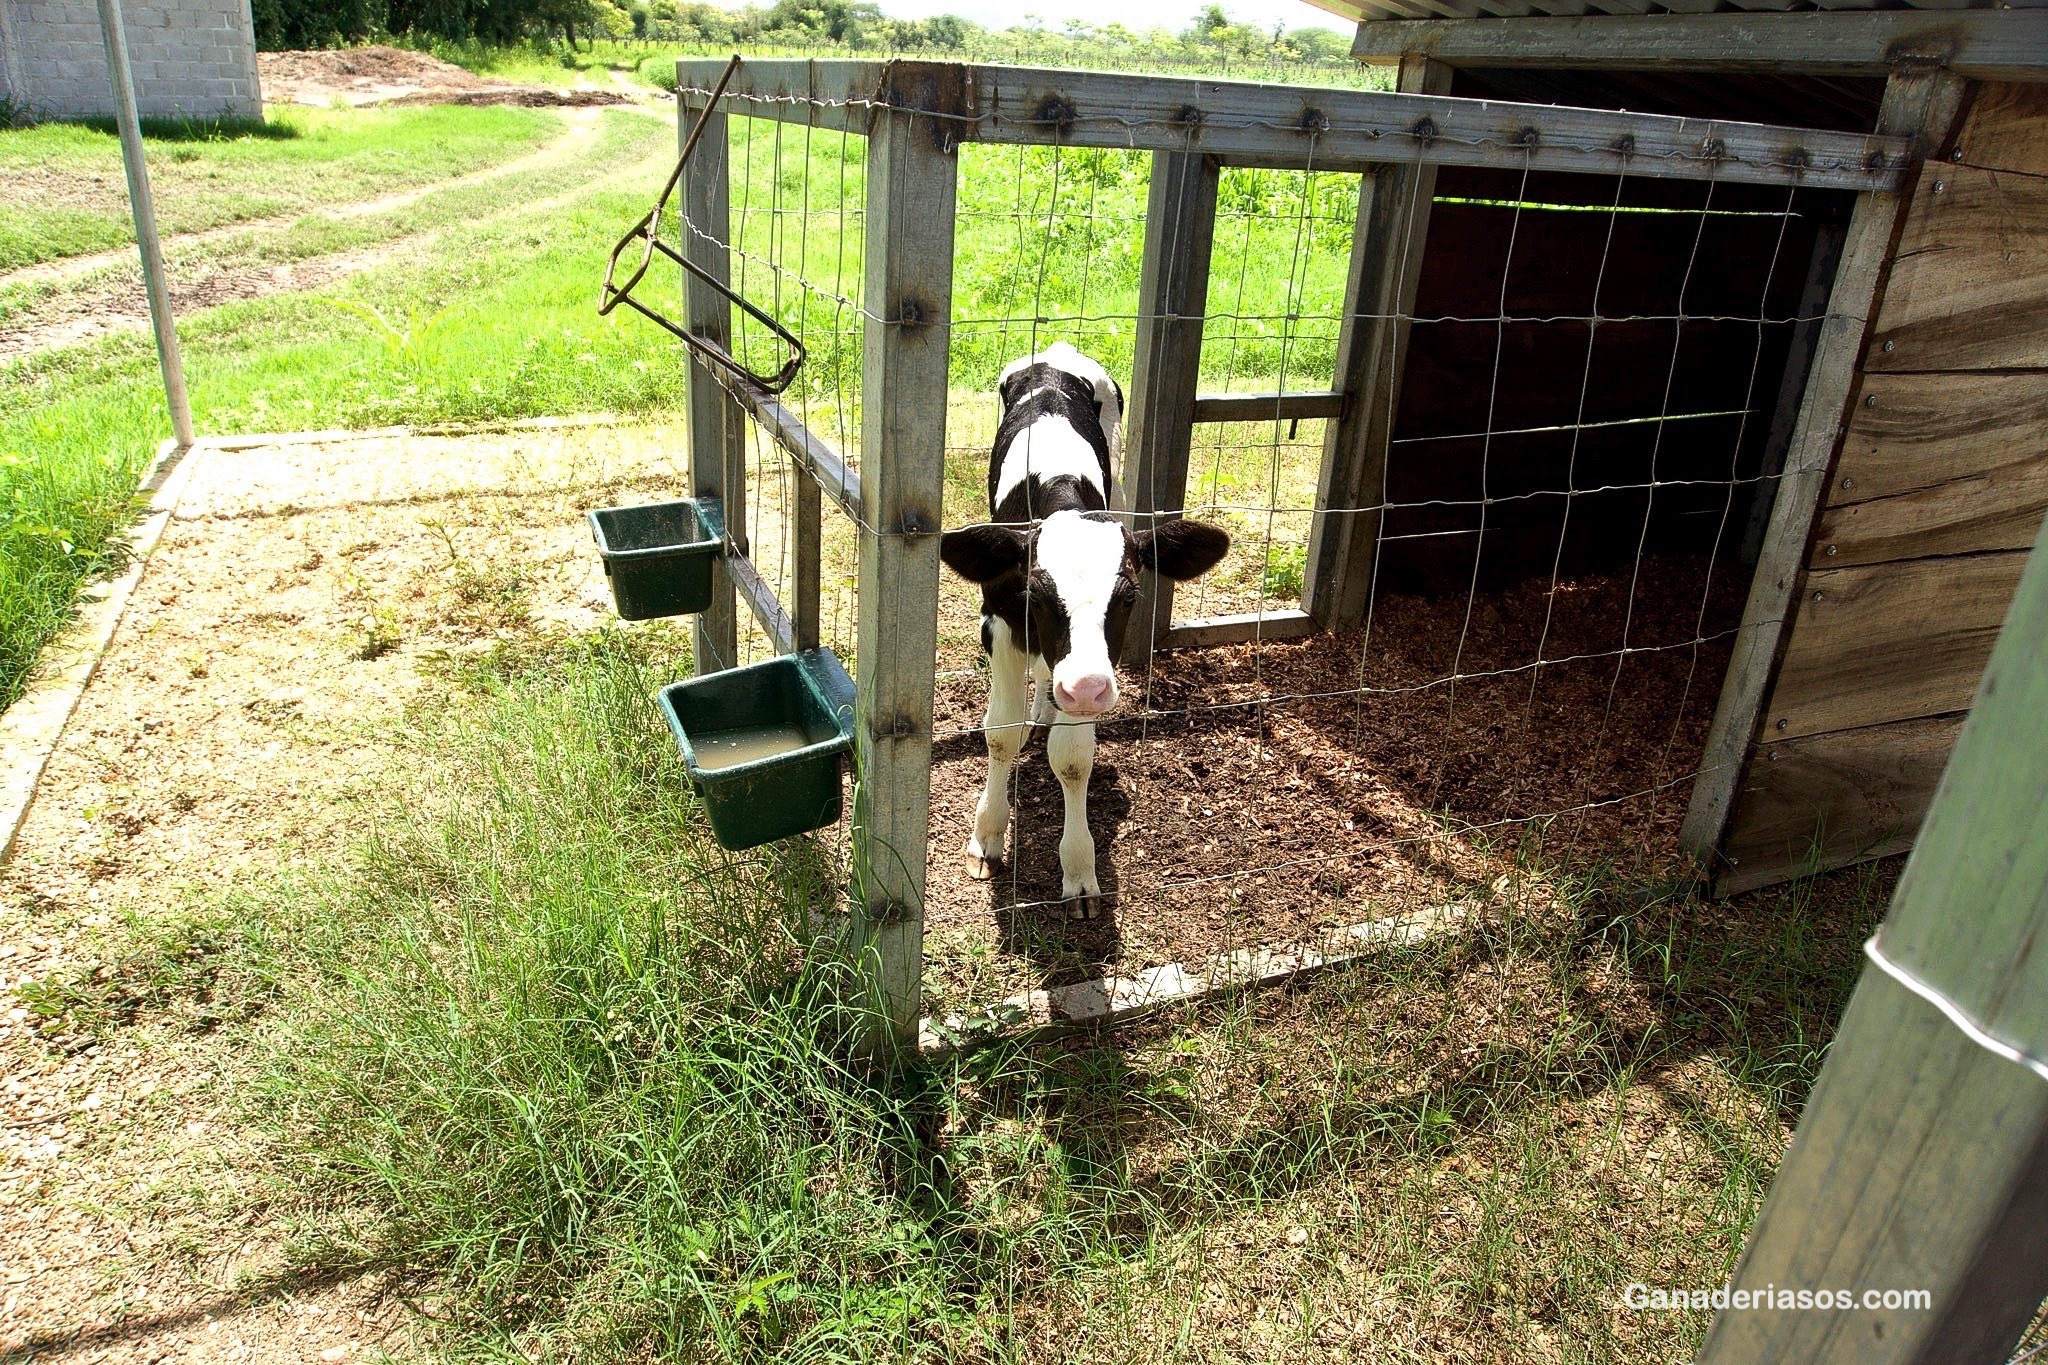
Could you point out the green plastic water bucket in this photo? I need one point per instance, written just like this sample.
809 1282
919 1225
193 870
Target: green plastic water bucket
659 555
760 800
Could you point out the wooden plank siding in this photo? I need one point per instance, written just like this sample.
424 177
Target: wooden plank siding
2004 131
1939 488
1938 464
2005 44
1871 787
1969 289
1882 642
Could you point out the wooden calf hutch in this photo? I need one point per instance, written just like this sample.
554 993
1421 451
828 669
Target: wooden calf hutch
1804 253
1916 473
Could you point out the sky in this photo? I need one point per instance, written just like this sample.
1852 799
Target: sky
1136 14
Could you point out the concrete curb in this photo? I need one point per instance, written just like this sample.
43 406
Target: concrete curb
31 728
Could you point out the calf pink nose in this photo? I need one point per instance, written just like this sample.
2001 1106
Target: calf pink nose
1089 693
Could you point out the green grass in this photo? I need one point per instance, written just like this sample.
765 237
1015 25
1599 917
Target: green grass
66 194
622 140
542 1043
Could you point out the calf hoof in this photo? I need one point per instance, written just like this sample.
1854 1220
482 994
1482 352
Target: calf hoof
1084 907
979 868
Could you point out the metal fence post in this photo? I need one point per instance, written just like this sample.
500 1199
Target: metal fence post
912 185
143 205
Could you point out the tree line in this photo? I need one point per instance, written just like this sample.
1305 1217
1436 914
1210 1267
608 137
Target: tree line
858 25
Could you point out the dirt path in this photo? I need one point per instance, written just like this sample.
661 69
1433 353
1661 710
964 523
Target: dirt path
201 283
233 731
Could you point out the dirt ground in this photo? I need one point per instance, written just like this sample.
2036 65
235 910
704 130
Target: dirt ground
390 75
251 703
234 726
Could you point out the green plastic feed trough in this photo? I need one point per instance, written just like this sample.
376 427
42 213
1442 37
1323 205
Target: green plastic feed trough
658 555
762 744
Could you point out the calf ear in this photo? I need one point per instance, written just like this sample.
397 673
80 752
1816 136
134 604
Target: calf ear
1012 388
1181 550
984 553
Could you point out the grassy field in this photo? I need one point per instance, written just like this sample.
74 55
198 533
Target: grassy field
540 1043
66 195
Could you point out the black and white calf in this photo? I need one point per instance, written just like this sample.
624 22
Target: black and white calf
1059 573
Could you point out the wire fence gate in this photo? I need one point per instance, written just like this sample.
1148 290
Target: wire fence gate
1494 399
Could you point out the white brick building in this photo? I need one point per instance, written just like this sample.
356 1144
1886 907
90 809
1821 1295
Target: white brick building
192 58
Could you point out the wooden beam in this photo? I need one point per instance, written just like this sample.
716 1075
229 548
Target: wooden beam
1921 1160
1104 1002
759 595
839 94
1267 407
1387 243
1238 628
912 186
1919 103
809 574
718 435
811 452
1983 44
1254 123
1173 298
1813 302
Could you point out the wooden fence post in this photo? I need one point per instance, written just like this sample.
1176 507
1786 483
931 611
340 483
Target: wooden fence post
1921 1162
1173 298
908 298
1372 346
718 431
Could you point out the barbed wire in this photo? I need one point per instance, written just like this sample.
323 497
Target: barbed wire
1710 152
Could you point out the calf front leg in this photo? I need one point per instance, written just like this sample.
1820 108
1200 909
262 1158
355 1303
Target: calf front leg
1070 748
1041 699
1004 727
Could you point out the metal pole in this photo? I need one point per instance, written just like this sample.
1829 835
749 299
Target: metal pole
145 220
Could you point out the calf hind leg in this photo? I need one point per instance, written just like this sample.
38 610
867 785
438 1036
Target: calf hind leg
1005 728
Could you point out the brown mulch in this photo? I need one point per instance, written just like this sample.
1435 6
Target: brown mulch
1266 798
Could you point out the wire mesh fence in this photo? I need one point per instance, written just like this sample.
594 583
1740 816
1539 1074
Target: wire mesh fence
1593 370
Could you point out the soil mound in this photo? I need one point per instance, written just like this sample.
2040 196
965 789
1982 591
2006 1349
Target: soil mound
391 75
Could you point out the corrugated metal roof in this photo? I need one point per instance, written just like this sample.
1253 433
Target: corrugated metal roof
1367 10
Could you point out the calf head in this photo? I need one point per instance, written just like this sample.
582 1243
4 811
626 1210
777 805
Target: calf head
1066 587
